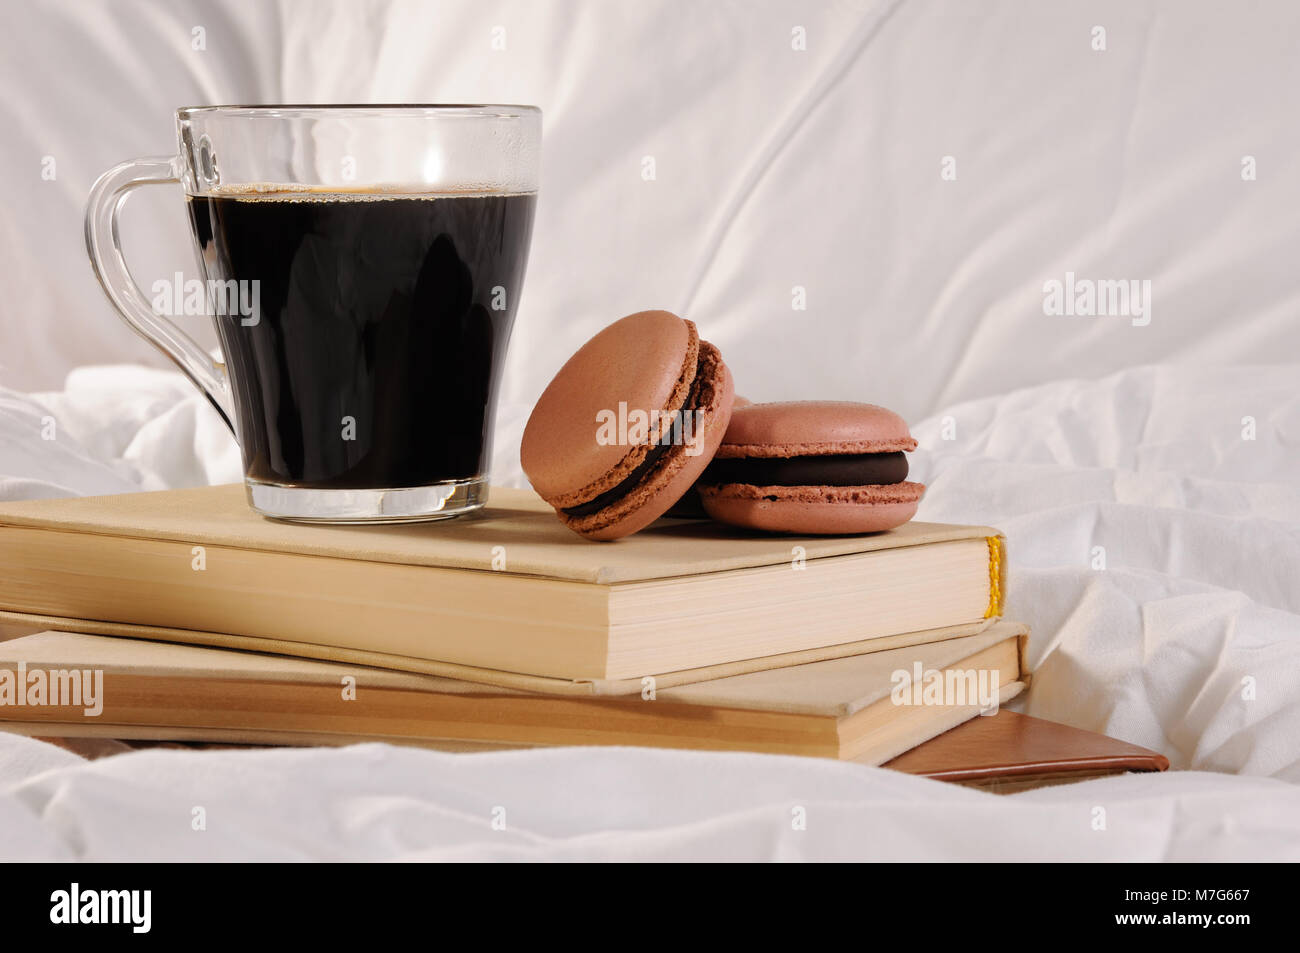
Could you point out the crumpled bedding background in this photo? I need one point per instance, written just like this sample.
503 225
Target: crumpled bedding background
775 168
377 802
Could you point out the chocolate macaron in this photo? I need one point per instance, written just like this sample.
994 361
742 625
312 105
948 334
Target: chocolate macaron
812 467
628 424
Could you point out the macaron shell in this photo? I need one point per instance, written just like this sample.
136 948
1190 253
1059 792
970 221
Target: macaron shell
678 471
813 427
689 506
813 510
647 360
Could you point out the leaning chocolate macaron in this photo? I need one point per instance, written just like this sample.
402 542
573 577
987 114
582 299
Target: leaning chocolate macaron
812 467
628 424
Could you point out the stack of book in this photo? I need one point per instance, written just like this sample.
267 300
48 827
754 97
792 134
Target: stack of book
184 616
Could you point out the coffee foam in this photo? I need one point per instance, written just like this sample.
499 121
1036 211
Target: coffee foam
276 192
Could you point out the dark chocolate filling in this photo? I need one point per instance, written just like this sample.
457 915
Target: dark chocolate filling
652 457
847 469
632 479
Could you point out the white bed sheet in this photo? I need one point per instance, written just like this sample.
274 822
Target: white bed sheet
1201 530
378 802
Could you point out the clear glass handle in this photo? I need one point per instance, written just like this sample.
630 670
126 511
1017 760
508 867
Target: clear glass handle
105 252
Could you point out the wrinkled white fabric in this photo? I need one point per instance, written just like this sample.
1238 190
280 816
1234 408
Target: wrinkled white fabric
377 802
1186 636
112 430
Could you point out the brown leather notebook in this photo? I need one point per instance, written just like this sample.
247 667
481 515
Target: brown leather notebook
1010 752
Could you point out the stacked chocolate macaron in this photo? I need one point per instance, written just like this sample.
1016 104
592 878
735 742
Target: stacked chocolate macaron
821 467
645 413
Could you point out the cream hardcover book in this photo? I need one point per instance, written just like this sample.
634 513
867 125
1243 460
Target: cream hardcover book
857 707
506 595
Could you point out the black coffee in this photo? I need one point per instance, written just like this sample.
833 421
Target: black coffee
375 352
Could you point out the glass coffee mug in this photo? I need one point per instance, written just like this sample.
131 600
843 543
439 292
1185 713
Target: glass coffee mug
362 265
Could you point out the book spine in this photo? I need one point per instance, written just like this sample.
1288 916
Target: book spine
997 574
